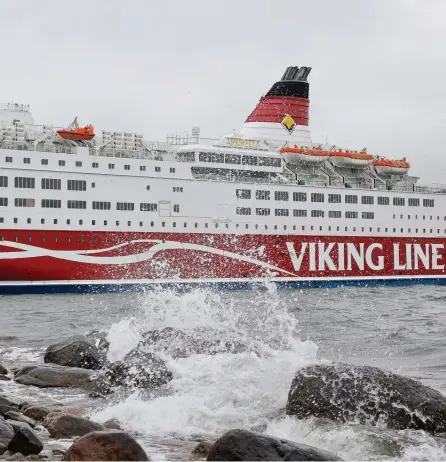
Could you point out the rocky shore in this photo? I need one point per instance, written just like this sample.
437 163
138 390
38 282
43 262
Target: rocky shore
334 391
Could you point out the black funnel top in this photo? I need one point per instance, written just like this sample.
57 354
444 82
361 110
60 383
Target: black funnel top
293 83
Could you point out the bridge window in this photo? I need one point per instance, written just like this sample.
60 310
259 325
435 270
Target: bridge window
243 211
263 195
317 213
77 204
243 193
349 214
51 183
281 212
299 213
428 203
76 185
300 197
3 181
368 215
383 200
144 207
334 198
100 205
51 203
263 212
24 202
125 206
317 197
413 202
281 195
334 214
23 182
367 200
398 201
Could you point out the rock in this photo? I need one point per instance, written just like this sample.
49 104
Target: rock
51 375
95 394
367 394
4 378
68 426
16 456
6 402
3 370
26 442
13 415
112 424
75 352
24 405
3 449
246 445
144 370
201 450
58 452
6 432
106 445
33 457
5 409
99 340
16 424
36 413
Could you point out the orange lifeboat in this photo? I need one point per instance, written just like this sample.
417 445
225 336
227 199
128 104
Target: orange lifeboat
391 167
351 159
304 155
76 133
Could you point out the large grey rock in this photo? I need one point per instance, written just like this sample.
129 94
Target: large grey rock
16 424
3 370
75 352
246 445
5 409
52 375
13 415
36 413
26 442
6 402
344 392
3 449
68 426
106 445
6 432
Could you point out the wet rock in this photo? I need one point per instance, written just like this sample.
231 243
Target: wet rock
75 352
201 450
13 415
6 402
106 445
33 457
3 449
16 456
99 340
95 394
6 432
51 375
36 413
246 445
5 409
4 378
3 370
112 424
24 405
16 424
58 452
26 442
68 426
367 394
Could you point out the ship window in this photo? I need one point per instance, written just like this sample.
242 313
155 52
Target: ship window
334 214
383 200
3 181
299 213
408 217
117 223
262 195
317 213
15 220
129 223
216 225
24 182
93 185
148 187
141 223
77 204
311 228
55 221
163 224
81 222
144 207
317 197
211 157
172 170
125 206
367 200
78 163
142 168
243 193
26 160
3 201
428 203
249 160
337 228
246 226
111 166
368 215
281 195
196 225
233 159
44 161
126 167
51 203
176 208
413 202
95 165
42 221
68 221
334 198
177 189
349 214
284 227
158 169
93 222
8 159
398 201
186 157
76 185
303 228
281 212
242 211
300 197
263 212
51 183
105 222
61 163
329 228
100 205
28 220
23 202
401 216
152 224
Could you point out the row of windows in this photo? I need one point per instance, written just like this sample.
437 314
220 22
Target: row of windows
303 213
332 198
217 157
78 163
246 226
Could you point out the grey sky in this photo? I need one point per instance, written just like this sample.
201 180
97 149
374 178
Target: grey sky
158 67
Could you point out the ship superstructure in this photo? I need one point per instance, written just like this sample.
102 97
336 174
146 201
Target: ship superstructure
85 210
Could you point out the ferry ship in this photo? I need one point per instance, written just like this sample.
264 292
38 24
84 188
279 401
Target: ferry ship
81 211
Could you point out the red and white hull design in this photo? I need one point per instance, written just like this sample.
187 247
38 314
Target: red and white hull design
190 258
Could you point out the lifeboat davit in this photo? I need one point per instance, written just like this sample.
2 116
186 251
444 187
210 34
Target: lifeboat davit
304 155
391 167
76 133
351 159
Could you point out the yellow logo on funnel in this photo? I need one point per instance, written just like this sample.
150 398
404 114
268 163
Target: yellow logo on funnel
288 123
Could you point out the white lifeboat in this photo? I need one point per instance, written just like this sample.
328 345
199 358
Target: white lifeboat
391 167
351 159
304 155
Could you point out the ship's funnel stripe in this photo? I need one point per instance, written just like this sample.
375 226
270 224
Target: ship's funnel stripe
275 108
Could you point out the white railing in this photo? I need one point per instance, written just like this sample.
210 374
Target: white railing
41 147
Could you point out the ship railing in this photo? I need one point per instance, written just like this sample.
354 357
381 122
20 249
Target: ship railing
41 147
